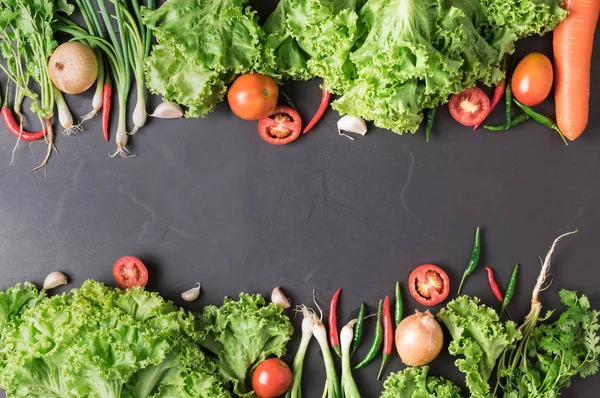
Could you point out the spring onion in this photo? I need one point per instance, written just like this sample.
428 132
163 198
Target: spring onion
349 387
332 385
295 390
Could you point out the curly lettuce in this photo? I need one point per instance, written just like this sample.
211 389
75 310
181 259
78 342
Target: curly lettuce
479 337
392 59
241 334
415 383
202 46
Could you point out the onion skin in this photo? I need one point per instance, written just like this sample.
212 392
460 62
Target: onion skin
73 67
419 339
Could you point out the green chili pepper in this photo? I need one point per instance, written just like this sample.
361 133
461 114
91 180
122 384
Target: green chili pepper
288 100
510 290
520 119
544 120
474 259
399 307
430 117
358 328
376 343
508 100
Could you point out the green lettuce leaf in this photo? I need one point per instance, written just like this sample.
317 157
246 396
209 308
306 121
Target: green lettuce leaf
203 45
479 337
241 334
415 383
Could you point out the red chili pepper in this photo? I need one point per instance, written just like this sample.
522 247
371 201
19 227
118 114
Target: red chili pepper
388 334
498 93
494 285
106 96
334 339
13 127
325 100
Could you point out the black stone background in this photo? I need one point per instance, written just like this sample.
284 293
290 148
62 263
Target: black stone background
207 200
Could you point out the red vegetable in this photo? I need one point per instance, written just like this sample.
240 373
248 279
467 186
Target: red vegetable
130 271
334 338
532 79
106 97
253 96
280 127
271 378
388 334
469 107
429 284
325 100
498 93
494 285
13 127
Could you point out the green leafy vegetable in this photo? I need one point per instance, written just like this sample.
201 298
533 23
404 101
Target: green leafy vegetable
390 59
110 343
415 383
203 45
478 336
556 352
241 334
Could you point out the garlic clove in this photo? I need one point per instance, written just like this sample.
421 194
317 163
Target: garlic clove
352 124
168 110
55 279
192 294
279 298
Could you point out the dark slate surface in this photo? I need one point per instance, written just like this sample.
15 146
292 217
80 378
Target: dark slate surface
207 200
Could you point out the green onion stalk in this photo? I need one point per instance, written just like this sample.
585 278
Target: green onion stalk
295 390
349 387
332 385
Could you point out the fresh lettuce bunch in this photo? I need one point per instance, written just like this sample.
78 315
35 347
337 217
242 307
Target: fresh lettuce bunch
415 383
111 343
391 59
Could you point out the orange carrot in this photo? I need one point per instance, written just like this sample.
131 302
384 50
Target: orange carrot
573 41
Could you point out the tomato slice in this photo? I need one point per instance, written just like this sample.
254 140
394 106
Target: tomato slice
130 271
281 127
429 284
469 107
271 378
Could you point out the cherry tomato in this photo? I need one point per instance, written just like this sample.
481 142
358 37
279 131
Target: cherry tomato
271 378
253 96
281 127
429 284
532 79
469 107
130 271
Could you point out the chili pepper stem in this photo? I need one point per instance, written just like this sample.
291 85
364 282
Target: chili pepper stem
386 357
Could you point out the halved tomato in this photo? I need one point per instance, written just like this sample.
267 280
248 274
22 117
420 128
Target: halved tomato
130 271
469 107
280 127
429 284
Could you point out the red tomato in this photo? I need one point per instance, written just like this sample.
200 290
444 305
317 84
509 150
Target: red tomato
271 378
532 79
469 107
253 96
429 284
281 127
130 271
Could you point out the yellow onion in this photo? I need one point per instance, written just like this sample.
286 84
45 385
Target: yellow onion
73 67
419 339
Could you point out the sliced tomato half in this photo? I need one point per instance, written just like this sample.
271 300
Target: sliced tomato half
429 284
469 107
281 127
130 271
